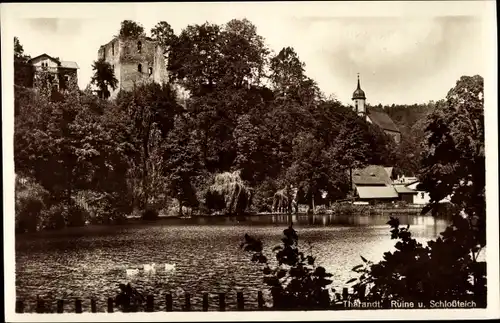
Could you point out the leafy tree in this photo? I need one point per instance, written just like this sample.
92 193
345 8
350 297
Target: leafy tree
453 163
196 58
244 52
131 28
182 163
23 71
151 108
68 146
163 33
103 78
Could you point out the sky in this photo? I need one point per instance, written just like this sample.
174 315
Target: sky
405 53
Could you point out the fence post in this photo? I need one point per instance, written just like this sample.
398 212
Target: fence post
19 306
325 299
40 306
362 292
126 304
345 293
60 306
168 301
93 305
187 302
222 302
150 303
110 305
78 306
260 300
240 301
205 302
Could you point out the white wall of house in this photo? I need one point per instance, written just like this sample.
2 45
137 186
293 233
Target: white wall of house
45 62
424 197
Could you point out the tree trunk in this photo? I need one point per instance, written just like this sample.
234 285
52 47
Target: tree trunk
313 203
145 148
180 207
350 179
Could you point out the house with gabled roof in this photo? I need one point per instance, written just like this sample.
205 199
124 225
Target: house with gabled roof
374 184
61 72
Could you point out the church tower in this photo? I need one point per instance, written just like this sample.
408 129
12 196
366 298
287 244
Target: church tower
359 99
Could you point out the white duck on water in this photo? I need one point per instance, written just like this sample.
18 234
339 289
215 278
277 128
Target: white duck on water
170 267
132 271
150 268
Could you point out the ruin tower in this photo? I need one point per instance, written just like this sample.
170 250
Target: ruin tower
359 99
135 60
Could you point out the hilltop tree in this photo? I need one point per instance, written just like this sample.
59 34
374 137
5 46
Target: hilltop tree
103 78
163 33
245 53
131 28
23 72
196 58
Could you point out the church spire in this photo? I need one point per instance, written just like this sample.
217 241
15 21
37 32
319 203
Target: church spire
358 94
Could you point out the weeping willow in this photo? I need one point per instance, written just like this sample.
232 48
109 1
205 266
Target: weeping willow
284 200
229 194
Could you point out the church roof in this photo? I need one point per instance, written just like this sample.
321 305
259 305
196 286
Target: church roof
382 120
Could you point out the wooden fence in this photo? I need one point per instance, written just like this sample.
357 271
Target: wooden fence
41 306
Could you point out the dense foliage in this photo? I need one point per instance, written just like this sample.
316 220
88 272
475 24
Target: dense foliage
453 164
248 110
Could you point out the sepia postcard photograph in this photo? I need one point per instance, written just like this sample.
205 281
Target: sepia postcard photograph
190 161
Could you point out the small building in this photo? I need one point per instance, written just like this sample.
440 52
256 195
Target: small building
61 72
422 197
373 184
405 193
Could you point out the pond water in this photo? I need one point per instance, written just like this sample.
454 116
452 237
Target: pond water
91 261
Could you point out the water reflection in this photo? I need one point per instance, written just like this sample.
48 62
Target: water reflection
91 261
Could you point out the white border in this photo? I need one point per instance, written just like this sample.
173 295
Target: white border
485 9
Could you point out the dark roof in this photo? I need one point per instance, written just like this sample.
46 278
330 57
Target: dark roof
371 175
46 55
382 120
358 94
402 189
376 192
65 64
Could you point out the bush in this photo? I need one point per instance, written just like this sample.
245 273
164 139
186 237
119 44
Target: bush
296 283
53 218
30 200
150 214
321 209
76 215
444 270
102 207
